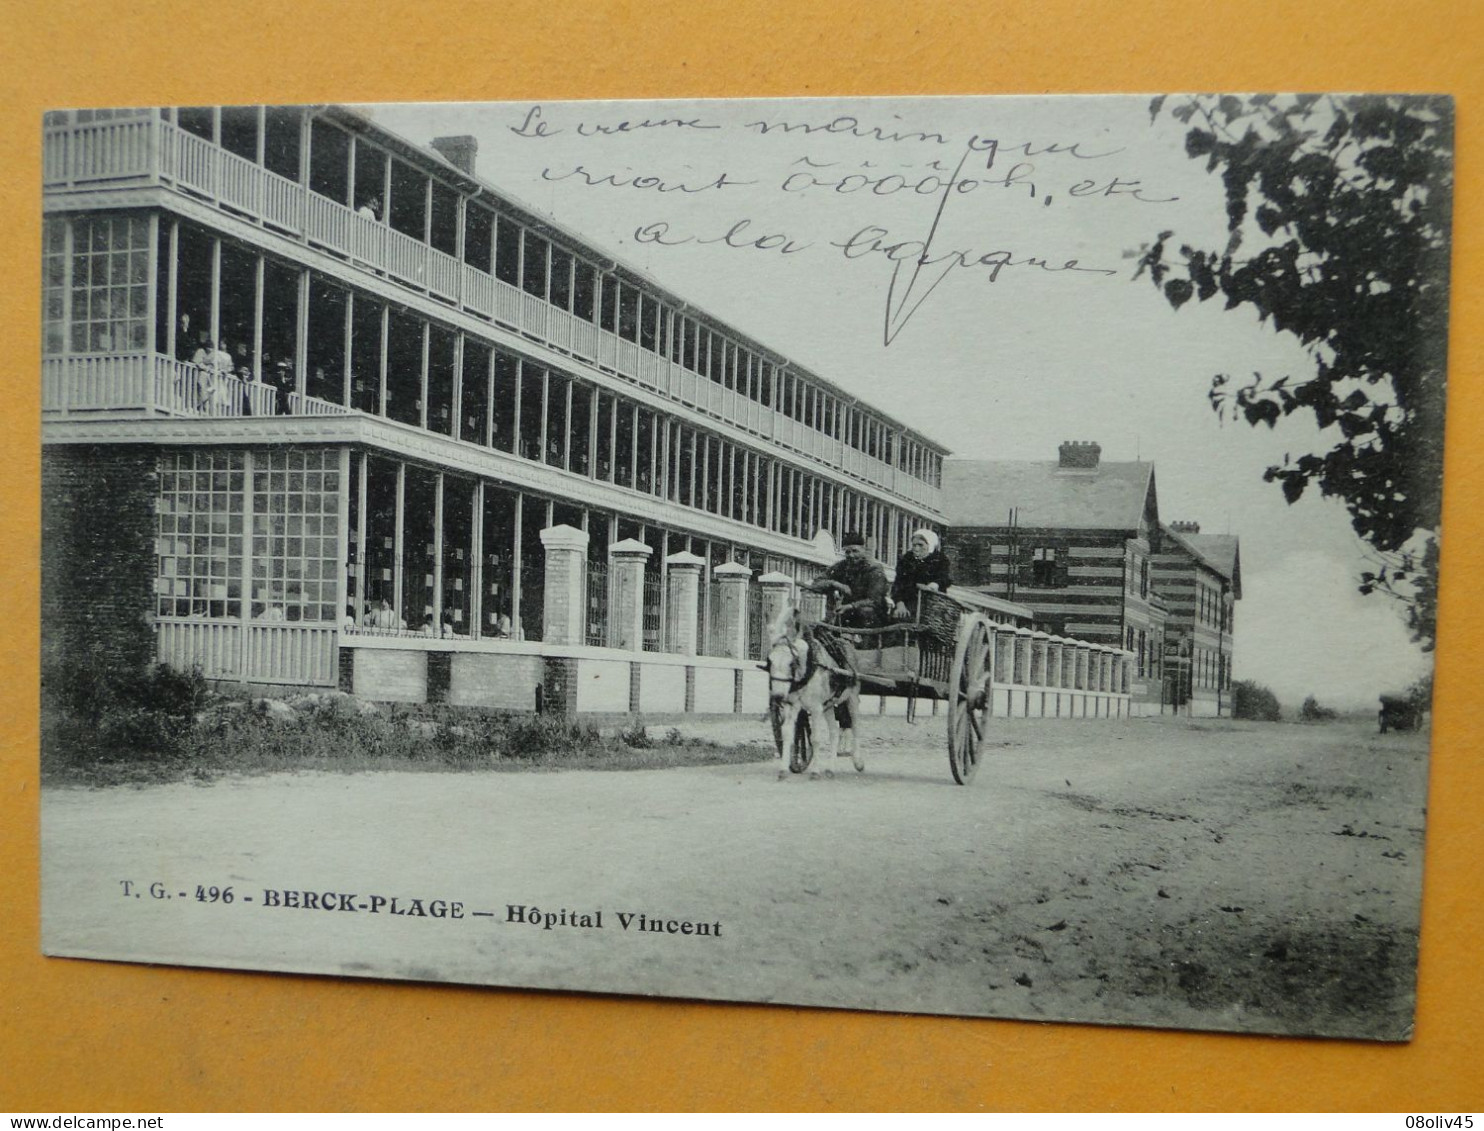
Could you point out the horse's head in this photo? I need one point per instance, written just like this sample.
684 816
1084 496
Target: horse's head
787 663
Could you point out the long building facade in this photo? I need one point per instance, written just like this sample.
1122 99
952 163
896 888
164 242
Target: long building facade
323 408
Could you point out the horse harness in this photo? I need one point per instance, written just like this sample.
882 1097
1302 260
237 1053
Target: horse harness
840 681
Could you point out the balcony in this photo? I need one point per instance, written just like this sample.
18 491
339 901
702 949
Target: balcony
148 151
149 384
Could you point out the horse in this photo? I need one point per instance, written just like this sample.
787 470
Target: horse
803 680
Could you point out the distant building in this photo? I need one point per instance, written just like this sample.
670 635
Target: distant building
1079 542
1200 577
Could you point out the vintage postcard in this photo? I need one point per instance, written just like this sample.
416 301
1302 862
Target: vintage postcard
966 556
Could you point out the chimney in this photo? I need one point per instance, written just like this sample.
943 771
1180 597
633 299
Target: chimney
458 151
1080 454
1186 527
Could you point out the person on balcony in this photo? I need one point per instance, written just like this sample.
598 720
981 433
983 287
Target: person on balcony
371 209
385 617
213 379
924 564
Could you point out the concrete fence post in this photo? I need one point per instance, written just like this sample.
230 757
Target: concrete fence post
732 584
626 561
683 601
566 560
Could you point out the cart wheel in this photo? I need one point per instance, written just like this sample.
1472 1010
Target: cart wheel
968 699
803 747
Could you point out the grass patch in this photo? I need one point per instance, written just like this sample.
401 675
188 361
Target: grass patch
134 741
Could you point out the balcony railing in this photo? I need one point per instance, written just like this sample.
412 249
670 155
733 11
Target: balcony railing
150 150
152 385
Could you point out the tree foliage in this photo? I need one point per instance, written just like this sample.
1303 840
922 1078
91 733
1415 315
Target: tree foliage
1254 701
1337 217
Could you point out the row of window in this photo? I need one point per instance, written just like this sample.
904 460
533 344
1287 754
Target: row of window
353 171
363 354
217 299
255 535
1212 609
1136 575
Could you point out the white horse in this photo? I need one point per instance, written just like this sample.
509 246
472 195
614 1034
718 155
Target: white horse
804 679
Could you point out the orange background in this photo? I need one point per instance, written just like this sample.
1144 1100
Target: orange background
84 1036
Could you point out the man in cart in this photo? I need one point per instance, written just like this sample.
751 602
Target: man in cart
859 584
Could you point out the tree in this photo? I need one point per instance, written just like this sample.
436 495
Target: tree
1337 217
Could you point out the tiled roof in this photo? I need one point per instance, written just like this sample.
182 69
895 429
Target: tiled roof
978 493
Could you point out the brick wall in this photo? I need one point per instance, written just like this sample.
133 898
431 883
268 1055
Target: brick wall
98 554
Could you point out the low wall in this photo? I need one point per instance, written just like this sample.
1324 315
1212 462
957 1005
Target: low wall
574 679
519 676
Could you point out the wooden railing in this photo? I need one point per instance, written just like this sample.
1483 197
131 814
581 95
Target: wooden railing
153 385
152 150
263 653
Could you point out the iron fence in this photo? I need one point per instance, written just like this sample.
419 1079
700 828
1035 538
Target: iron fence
596 614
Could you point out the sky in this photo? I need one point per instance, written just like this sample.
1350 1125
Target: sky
800 223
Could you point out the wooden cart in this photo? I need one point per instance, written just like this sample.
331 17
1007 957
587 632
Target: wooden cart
942 653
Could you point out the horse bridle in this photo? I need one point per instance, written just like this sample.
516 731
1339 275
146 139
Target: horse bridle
795 678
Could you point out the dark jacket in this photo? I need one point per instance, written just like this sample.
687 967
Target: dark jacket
865 607
913 571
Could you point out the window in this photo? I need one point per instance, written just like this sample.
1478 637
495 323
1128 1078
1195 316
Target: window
329 161
556 419
407 211
442 349
628 314
198 534
608 304
623 454
198 120
479 235
503 402
419 547
498 550
561 278
1043 572
404 368
507 251
280 359
443 229
579 430
281 145
295 547
370 165
648 323
53 284
110 284
644 450
380 551
584 285
533 266
325 363
365 354
240 131
474 392
455 607
532 398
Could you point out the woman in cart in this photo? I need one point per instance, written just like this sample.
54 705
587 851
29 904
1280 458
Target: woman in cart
924 564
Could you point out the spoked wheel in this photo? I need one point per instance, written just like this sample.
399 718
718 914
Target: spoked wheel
968 699
802 752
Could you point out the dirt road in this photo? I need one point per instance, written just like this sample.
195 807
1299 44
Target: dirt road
1185 873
